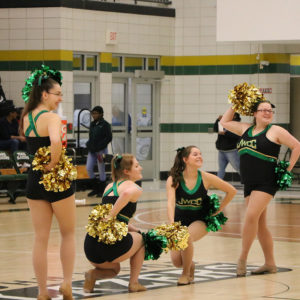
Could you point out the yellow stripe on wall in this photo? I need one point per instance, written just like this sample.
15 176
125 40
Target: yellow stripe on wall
295 60
223 59
32 55
106 57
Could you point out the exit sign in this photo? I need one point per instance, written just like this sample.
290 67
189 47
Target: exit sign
111 37
266 90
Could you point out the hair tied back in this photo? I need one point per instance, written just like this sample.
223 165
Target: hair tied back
39 75
117 161
179 150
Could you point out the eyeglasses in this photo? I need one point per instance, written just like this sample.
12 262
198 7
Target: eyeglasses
270 111
56 94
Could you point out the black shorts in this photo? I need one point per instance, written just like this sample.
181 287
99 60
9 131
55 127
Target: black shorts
98 252
269 189
187 220
36 191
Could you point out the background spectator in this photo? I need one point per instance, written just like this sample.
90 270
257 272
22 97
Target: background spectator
10 139
226 144
100 136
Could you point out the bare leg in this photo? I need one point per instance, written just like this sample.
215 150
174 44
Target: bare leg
101 271
41 214
197 230
258 202
266 240
64 211
136 255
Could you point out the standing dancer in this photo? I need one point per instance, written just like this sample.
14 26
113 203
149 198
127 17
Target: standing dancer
43 128
259 149
123 193
187 202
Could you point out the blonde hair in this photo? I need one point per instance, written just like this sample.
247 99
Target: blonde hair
120 163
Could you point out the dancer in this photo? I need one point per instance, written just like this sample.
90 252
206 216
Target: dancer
43 128
123 193
259 149
187 197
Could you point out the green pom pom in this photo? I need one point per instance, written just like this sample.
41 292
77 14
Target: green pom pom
154 244
214 222
284 177
44 73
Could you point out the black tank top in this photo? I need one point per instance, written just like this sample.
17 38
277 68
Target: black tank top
191 204
35 142
258 157
127 212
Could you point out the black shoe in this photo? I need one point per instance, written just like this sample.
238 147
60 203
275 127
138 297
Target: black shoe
12 197
92 193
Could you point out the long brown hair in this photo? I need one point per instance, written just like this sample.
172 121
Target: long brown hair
35 98
120 163
179 164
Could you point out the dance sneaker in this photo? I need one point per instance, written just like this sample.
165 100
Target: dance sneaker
265 269
66 291
183 280
241 268
136 287
45 297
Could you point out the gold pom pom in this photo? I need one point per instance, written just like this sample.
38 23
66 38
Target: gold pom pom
243 97
60 177
176 235
108 231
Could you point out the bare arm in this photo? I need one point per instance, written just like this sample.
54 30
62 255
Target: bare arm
283 137
171 200
236 127
54 130
211 180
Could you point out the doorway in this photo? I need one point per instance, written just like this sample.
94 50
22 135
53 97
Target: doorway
135 125
84 89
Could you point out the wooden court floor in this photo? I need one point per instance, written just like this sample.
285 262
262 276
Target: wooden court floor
215 255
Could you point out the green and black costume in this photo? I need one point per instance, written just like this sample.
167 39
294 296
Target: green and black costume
192 205
258 159
99 252
35 190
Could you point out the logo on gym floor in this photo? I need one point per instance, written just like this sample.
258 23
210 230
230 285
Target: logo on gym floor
166 276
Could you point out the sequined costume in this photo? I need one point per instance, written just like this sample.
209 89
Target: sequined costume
35 190
98 252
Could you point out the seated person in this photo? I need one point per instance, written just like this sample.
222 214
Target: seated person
10 139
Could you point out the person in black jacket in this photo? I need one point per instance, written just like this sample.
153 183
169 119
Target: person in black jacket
99 137
10 139
226 144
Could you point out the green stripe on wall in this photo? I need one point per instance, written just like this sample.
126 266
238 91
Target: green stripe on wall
225 69
185 127
31 65
105 67
295 70
194 127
